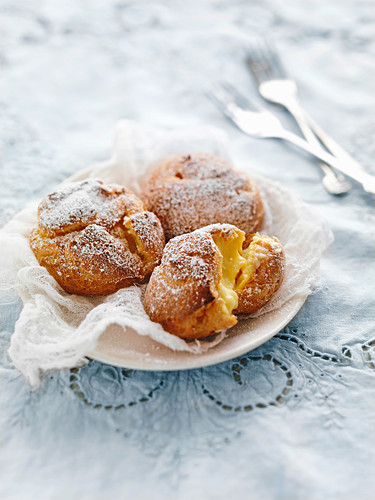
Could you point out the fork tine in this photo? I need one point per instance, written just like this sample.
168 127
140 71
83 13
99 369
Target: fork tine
238 99
221 102
264 62
220 92
275 58
225 106
267 55
257 65
249 117
223 98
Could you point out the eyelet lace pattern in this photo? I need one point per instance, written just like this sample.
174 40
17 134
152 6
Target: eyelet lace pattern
284 372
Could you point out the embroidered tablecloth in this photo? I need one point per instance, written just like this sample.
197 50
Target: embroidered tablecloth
293 419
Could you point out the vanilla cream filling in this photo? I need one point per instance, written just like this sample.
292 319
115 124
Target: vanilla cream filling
230 249
238 265
254 255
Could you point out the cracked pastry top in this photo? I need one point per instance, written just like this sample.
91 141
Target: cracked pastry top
208 276
192 191
95 238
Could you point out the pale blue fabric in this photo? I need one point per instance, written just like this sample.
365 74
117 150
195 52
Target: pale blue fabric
293 419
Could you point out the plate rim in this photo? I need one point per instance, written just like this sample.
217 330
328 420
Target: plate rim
197 361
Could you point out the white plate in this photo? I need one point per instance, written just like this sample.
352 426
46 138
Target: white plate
143 353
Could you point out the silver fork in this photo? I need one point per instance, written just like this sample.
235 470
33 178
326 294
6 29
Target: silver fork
274 86
256 121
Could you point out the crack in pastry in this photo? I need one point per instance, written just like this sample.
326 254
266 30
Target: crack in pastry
95 239
206 277
262 275
193 191
252 269
229 243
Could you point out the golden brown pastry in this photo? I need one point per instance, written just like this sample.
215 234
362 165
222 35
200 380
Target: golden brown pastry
262 275
95 238
189 192
203 274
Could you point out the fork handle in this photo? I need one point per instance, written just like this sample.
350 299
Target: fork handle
342 164
311 130
299 115
329 143
302 119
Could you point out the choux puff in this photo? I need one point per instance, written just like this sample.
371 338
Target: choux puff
191 191
208 275
95 238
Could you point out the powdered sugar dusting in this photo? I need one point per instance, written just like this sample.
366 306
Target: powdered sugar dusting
189 256
71 204
187 276
192 265
75 205
99 252
84 242
145 224
193 191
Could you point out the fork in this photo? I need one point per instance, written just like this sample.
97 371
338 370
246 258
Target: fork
256 121
274 86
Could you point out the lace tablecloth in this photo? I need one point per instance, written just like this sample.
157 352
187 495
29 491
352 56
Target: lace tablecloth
293 419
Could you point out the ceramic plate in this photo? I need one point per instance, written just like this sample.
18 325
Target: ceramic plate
143 353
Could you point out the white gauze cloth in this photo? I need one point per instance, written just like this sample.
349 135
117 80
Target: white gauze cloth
58 330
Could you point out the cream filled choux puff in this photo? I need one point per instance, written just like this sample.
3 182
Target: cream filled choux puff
207 275
192 191
95 238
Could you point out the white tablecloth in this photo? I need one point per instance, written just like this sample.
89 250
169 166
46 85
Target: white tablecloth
293 419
